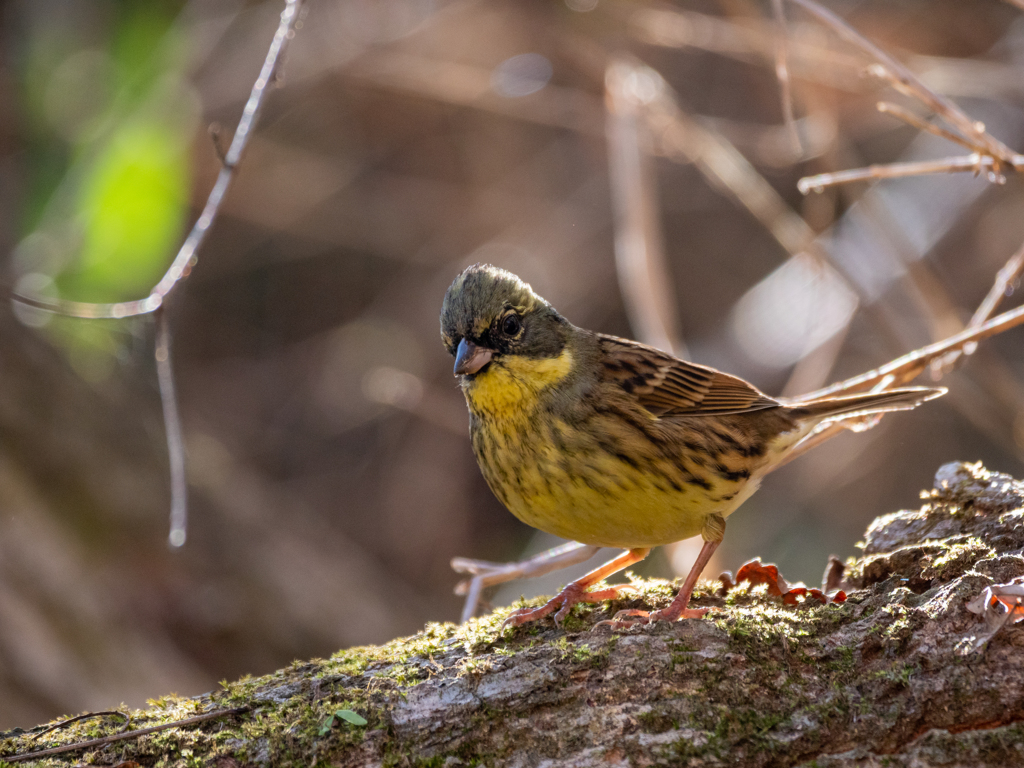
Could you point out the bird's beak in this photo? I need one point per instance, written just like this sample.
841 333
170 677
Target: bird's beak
469 358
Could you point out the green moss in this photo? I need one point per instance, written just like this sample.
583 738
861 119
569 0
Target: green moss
843 662
658 721
957 558
898 674
759 626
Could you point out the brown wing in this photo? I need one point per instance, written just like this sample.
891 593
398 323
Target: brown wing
668 386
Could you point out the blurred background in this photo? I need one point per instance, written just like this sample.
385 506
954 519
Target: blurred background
629 159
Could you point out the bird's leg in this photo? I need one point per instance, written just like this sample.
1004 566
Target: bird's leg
487 574
713 531
576 592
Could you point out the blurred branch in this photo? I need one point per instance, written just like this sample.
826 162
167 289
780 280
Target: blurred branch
782 73
470 86
639 253
681 137
772 145
172 429
810 57
679 28
751 41
186 257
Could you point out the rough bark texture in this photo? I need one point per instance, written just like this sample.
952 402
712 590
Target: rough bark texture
890 677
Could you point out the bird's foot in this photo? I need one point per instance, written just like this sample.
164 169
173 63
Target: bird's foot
637 618
564 601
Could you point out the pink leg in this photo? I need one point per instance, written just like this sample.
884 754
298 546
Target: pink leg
576 592
678 607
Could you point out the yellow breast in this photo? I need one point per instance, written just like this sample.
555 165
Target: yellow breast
598 480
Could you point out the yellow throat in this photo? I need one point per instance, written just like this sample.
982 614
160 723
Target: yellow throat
509 388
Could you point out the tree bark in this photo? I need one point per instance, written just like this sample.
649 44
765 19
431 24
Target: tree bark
898 675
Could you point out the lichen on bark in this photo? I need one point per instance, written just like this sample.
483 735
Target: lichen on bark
890 677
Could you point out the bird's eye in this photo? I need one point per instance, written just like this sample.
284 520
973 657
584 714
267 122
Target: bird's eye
511 325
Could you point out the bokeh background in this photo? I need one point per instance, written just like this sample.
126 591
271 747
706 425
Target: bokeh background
627 158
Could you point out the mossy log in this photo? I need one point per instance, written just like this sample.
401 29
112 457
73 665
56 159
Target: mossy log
893 676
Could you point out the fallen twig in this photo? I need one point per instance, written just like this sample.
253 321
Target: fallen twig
92 743
87 716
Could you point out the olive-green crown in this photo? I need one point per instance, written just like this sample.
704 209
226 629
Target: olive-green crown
477 296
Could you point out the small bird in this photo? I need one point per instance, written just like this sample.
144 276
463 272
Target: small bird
613 443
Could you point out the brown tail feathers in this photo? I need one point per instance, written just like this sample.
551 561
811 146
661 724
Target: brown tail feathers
874 402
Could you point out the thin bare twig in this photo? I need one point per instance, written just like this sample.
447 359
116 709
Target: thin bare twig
87 716
186 257
975 163
172 429
1004 278
894 374
92 743
470 86
943 107
906 368
1015 160
923 125
1000 288
782 74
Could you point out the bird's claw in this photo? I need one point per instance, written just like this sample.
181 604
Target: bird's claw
563 601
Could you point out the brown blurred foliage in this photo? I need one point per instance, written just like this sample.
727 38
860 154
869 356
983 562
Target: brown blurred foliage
331 476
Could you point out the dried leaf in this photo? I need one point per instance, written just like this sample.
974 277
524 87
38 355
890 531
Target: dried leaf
755 572
998 605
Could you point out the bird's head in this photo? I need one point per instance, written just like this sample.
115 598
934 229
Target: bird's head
490 315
